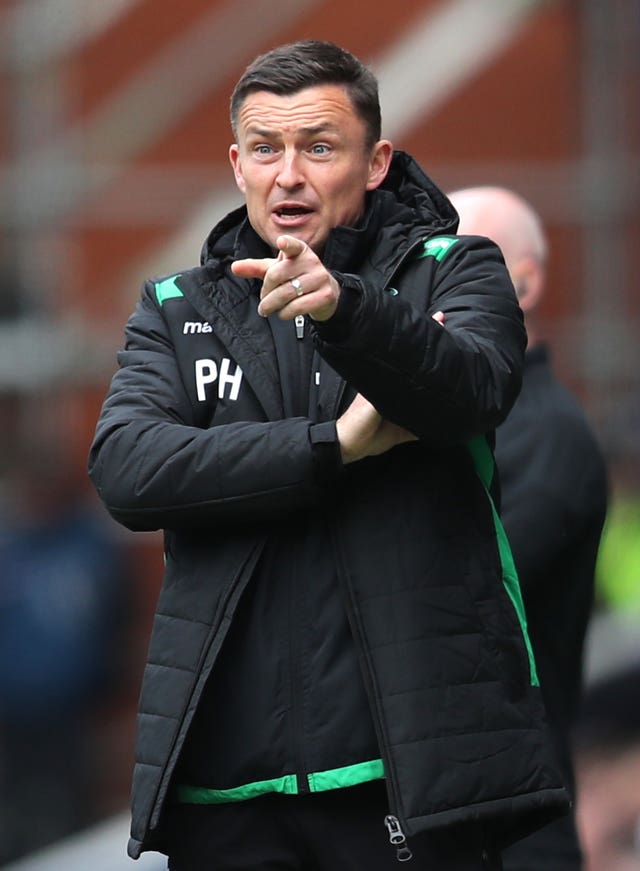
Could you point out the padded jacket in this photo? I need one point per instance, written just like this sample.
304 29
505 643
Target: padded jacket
193 439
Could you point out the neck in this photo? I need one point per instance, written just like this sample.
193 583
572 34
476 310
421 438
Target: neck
534 335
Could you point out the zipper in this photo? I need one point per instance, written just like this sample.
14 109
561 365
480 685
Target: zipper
296 687
398 838
299 322
391 820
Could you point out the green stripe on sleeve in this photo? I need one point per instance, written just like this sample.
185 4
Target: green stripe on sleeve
439 247
168 289
485 466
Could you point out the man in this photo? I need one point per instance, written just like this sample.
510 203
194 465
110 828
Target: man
606 740
338 658
554 499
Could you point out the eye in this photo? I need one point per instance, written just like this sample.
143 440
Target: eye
263 149
320 148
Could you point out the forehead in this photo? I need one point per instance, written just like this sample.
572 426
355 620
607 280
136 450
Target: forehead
322 106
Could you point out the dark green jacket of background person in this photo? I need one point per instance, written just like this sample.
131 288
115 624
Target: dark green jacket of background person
193 439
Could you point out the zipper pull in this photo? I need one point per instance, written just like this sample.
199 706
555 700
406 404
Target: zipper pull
299 322
398 839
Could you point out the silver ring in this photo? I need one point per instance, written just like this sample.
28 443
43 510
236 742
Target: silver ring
296 284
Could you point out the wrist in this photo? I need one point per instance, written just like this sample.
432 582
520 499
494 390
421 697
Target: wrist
337 325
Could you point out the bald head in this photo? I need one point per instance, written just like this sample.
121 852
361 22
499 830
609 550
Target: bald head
509 220
506 218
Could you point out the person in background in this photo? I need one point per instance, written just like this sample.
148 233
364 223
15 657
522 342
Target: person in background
65 611
606 740
554 500
338 660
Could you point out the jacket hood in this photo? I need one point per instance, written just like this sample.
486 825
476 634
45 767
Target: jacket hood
412 186
406 183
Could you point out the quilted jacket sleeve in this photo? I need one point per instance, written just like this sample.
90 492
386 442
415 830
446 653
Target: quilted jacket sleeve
154 468
445 383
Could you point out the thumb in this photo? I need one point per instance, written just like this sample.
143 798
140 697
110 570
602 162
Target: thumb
290 246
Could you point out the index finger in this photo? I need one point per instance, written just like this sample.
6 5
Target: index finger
252 267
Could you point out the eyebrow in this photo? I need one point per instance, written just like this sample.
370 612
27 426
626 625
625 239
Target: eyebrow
266 132
318 129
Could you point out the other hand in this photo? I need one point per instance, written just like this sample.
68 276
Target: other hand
363 432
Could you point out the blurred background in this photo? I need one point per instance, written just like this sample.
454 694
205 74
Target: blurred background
113 166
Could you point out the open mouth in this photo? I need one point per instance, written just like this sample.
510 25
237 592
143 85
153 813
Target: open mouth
292 211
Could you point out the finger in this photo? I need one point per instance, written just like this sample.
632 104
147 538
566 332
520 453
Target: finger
279 278
284 275
252 267
290 246
279 296
287 266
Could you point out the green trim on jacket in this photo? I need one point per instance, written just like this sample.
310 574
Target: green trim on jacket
321 781
485 466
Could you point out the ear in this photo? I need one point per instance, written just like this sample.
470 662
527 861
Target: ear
379 163
528 280
234 159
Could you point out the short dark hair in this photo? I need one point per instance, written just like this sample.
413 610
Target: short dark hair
291 68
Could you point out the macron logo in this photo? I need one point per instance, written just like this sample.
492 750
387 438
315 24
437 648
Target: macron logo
191 328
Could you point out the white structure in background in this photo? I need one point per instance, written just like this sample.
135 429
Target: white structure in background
460 38
101 848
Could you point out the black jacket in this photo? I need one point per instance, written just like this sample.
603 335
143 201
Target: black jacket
193 439
554 501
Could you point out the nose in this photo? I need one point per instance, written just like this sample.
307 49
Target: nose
289 173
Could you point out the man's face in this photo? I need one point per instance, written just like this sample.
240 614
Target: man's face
303 164
608 811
